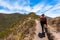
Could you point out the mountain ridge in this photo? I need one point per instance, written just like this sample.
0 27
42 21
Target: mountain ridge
9 23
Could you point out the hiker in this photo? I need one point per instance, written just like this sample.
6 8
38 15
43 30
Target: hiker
43 21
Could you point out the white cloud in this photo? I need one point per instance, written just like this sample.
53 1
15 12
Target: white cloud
52 15
50 10
39 8
54 12
4 11
15 6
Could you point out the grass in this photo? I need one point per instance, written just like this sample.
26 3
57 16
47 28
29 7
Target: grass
25 30
12 21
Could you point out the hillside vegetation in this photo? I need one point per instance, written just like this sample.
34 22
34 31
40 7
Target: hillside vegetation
55 23
16 26
9 22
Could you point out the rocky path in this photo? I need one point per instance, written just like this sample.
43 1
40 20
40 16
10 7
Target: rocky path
54 34
38 32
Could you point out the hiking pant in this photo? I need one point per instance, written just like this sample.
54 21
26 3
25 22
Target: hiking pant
42 25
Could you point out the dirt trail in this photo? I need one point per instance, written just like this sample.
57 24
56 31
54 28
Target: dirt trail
39 30
54 33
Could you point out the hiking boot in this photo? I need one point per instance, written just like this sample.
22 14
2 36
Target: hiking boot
43 34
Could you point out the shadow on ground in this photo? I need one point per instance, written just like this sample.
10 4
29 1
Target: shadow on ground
48 35
41 35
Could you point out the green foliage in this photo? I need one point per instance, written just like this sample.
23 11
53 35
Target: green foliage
12 21
25 28
9 21
6 32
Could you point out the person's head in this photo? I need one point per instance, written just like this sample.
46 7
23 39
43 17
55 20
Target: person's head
42 15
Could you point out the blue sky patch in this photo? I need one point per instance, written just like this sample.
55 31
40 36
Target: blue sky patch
48 7
1 7
34 2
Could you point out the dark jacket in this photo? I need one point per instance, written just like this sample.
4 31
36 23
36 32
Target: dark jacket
43 20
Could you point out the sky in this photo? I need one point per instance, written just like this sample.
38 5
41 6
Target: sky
50 8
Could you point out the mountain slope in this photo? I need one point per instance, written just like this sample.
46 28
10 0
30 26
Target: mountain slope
15 25
8 21
26 27
25 31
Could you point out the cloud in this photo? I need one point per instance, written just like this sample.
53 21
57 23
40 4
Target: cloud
55 11
50 10
16 6
49 7
52 15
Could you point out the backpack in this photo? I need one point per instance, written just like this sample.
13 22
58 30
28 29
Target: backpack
43 19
